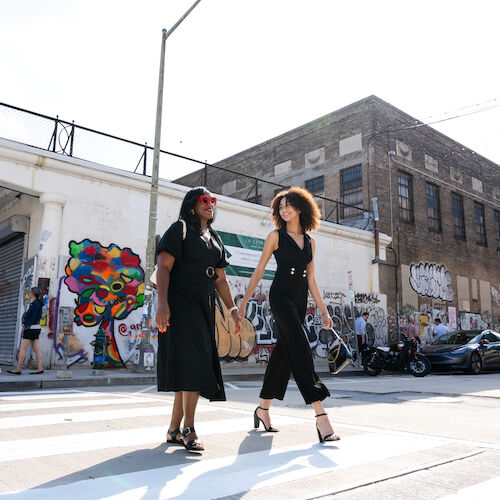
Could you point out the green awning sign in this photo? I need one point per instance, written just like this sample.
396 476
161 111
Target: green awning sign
243 254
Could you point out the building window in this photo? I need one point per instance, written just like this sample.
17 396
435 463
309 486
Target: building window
255 199
316 185
480 224
433 208
457 203
405 197
351 191
497 224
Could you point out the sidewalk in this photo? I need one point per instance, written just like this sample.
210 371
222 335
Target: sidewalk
86 377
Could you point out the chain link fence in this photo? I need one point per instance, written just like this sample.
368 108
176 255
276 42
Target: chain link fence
67 138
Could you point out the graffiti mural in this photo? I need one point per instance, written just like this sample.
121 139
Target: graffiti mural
431 280
261 332
27 281
471 321
109 283
66 319
343 316
496 295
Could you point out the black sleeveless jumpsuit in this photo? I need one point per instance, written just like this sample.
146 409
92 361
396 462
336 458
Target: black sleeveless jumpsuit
288 298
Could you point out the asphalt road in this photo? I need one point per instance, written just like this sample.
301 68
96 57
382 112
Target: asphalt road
402 438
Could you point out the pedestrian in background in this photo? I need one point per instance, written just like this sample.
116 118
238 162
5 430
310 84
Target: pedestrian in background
411 330
294 212
191 261
31 332
439 329
360 328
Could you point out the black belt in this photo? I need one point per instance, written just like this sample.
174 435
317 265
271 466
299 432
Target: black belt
210 271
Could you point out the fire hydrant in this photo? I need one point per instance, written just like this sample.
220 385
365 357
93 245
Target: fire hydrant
100 345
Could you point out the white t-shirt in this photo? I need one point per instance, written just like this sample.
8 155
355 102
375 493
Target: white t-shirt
439 330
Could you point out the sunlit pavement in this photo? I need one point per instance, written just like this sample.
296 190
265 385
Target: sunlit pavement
402 437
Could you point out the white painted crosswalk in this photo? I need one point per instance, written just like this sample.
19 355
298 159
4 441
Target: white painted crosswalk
235 474
125 431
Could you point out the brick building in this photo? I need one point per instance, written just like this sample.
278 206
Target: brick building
438 200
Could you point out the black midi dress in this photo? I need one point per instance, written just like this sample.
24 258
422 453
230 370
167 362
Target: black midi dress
288 299
187 353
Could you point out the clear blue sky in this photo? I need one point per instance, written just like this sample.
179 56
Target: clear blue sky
239 72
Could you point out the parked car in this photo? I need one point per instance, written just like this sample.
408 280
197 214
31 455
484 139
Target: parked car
470 350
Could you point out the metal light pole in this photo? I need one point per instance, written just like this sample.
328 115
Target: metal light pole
145 345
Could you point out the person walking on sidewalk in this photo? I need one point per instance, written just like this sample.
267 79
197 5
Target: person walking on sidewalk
360 327
31 332
191 261
294 212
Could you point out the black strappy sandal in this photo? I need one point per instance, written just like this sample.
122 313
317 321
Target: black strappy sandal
173 435
257 420
192 444
329 437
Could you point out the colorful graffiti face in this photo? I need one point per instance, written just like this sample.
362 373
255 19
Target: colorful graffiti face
110 284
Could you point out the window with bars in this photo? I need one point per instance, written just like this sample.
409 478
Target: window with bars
433 208
316 185
405 196
457 203
480 224
351 191
497 224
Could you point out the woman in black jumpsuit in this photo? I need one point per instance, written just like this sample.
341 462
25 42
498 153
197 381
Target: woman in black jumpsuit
191 265
294 212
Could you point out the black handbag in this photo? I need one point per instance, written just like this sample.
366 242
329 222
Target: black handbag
339 356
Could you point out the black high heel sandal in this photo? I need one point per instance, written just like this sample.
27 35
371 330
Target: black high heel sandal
173 435
192 444
257 420
322 439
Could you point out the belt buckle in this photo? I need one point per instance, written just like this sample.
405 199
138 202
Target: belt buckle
210 271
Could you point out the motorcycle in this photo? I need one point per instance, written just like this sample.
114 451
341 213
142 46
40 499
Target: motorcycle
398 357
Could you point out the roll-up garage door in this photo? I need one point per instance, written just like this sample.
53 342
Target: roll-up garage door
11 260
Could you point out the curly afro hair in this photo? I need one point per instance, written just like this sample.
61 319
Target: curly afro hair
301 200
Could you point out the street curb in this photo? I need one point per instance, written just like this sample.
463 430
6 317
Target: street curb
100 380
90 381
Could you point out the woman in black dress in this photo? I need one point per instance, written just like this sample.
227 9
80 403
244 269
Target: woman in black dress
31 332
191 261
294 212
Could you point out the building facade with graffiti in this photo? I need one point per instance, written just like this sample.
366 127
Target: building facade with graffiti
436 198
79 229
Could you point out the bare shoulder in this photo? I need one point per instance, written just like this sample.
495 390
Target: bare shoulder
273 235
272 240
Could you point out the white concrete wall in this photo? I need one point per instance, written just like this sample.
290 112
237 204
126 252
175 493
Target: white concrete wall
111 206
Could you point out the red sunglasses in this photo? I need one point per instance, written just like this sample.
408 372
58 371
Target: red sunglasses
205 200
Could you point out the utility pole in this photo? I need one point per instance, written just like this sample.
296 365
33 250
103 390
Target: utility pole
142 355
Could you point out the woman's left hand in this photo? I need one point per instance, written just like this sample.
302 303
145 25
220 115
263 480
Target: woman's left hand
237 321
327 321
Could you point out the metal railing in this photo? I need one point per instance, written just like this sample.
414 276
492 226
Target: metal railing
68 138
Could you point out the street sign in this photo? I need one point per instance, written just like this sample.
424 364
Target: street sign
351 288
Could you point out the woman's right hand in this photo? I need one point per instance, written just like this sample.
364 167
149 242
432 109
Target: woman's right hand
163 316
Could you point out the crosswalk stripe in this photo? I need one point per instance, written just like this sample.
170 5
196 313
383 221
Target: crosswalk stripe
24 397
480 491
69 404
40 392
60 445
95 416
231 475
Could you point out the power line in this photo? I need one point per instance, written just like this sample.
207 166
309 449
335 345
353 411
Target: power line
418 125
